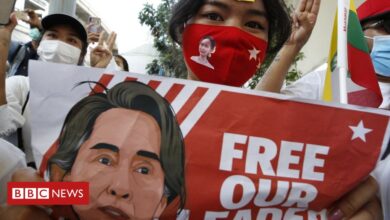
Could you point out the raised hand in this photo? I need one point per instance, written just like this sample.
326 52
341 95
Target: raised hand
304 19
6 31
34 20
102 54
93 37
5 39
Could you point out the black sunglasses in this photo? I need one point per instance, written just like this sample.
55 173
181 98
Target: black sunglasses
384 23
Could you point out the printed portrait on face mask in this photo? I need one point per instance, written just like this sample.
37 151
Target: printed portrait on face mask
207 46
227 55
128 146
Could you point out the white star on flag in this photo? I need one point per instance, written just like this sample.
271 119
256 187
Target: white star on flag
253 53
359 131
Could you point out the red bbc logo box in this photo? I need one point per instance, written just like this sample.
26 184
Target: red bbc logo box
48 193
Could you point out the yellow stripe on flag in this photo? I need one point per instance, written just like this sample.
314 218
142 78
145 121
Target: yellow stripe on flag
352 7
332 59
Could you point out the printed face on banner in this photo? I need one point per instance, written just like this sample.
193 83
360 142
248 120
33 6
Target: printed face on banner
120 160
247 155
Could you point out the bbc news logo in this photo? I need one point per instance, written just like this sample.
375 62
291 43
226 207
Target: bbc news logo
48 193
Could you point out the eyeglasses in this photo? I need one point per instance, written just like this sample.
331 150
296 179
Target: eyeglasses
384 23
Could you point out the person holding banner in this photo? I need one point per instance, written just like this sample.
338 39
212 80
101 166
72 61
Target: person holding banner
64 40
127 144
374 18
241 31
146 138
191 21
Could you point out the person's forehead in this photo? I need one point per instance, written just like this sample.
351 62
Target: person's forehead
128 115
121 123
247 4
64 28
124 127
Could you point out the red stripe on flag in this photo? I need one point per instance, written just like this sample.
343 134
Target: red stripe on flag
104 80
173 92
363 97
154 84
49 153
130 79
190 104
363 74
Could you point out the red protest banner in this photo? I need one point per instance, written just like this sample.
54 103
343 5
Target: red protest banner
247 154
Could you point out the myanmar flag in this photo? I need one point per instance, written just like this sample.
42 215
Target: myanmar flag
362 84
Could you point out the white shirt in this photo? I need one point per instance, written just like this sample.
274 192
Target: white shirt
11 119
17 89
11 159
311 86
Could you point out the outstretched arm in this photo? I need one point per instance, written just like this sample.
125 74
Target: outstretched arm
5 39
304 19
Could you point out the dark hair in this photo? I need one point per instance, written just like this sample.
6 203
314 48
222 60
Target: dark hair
211 39
385 15
83 46
124 61
80 120
277 14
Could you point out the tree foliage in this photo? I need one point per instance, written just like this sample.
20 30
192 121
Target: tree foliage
293 74
170 60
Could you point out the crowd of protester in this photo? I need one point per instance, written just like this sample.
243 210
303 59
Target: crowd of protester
60 38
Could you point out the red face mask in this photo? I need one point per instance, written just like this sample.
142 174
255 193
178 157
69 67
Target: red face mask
222 54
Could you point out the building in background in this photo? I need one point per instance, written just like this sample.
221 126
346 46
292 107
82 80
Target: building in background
139 57
83 12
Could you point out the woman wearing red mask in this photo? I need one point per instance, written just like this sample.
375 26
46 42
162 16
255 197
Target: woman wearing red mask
241 31
244 32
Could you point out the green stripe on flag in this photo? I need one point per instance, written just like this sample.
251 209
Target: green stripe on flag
355 34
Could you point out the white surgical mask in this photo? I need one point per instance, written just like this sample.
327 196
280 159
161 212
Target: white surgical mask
56 51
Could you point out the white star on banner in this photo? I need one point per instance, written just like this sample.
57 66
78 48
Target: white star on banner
359 131
253 53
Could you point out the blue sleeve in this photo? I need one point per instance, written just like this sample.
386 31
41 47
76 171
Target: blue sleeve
387 152
13 49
